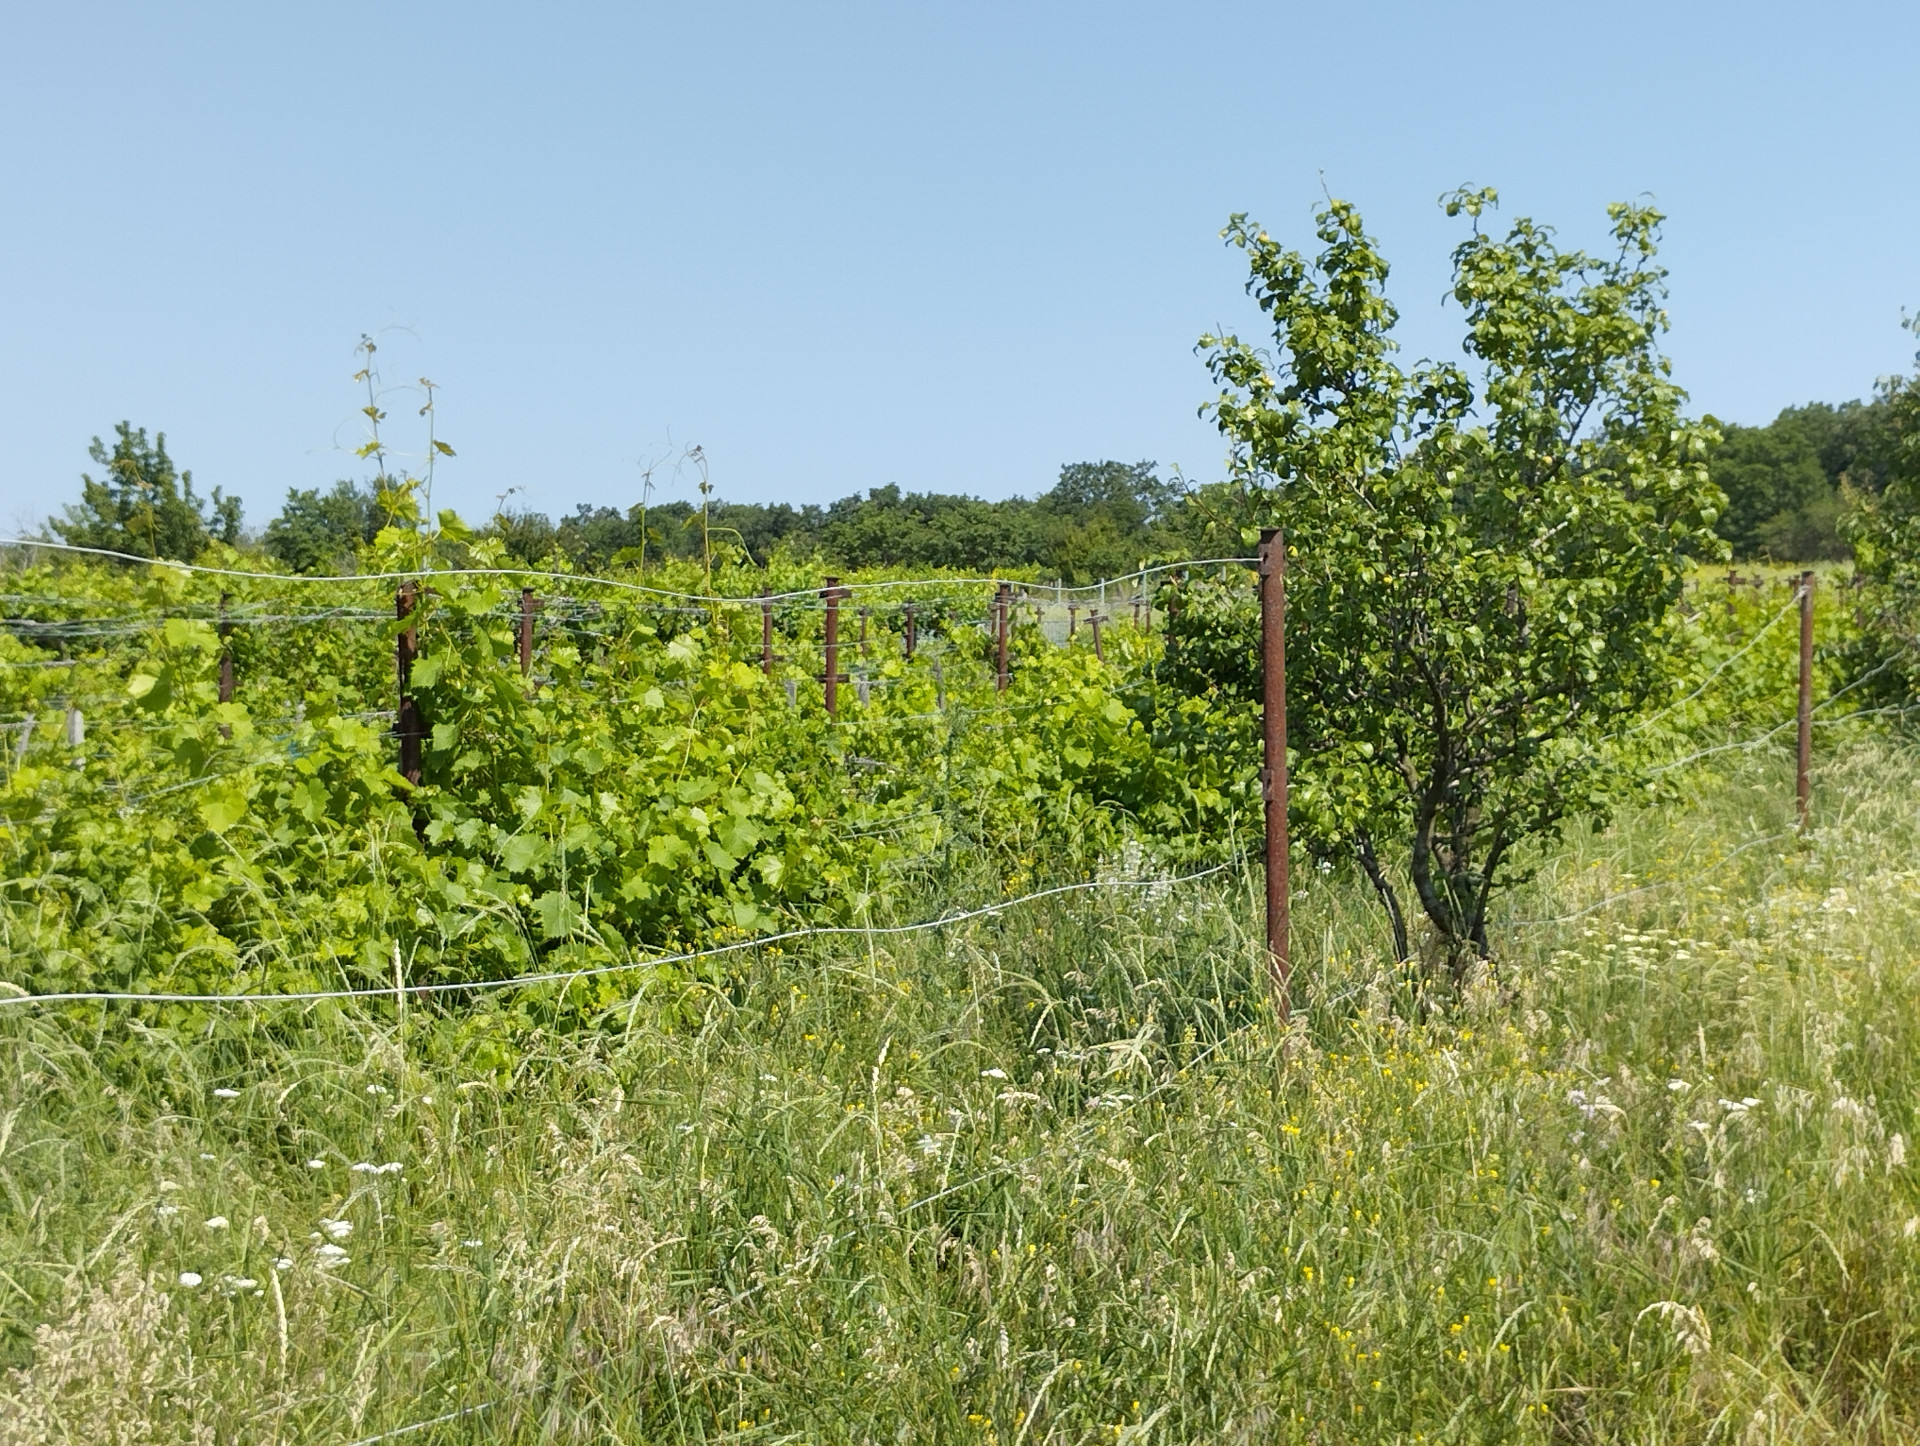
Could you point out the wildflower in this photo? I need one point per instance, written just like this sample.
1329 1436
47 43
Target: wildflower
316 1164
205 1156
376 1089
216 1222
993 1074
367 1167
280 1262
1678 1086
337 1229
226 1094
166 1212
331 1255
473 1244
1896 1152
190 1279
239 1282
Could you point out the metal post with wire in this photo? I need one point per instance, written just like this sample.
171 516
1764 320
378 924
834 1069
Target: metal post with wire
1802 786
1002 606
833 678
1273 778
529 605
226 660
406 721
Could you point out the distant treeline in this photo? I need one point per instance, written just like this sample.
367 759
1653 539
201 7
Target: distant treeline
1789 487
1101 519
1790 484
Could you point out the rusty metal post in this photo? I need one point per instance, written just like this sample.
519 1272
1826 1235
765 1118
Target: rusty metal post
1802 787
406 722
1002 605
529 604
910 637
766 633
226 652
831 592
1273 778
226 660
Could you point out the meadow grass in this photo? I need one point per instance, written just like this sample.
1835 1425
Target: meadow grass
1050 1177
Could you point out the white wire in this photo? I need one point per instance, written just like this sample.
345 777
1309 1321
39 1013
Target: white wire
568 976
424 573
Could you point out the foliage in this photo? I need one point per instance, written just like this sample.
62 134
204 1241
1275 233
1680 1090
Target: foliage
1787 483
648 788
1885 531
142 505
1100 520
1047 1177
317 531
1480 578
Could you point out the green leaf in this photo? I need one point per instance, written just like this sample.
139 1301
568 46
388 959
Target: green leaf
221 806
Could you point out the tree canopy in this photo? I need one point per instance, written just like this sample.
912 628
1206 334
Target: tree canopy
1481 570
141 504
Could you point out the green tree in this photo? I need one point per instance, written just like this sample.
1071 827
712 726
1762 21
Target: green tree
142 505
1481 570
318 531
1885 531
1787 482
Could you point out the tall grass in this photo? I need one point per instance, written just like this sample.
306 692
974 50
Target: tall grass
1054 1177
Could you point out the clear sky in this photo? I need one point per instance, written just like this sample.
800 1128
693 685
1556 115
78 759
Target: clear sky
948 246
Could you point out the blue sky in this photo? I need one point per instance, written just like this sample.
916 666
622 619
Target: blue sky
837 246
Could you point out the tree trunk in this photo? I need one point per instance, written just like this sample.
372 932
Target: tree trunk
1383 886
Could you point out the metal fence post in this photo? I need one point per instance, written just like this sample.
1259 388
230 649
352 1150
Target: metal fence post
406 722
831 592
1802 787
529 604
226 660
1273 653
1002 605
766 633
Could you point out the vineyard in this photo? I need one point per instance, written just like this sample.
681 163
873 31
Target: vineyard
450 998
607 1035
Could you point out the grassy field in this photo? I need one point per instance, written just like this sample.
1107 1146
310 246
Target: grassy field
1050 1177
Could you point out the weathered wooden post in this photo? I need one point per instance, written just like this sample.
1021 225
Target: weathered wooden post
1073 620
766 633
909 639
1093 621
1273 778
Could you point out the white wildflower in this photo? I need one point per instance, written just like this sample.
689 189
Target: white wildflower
1678 1086
166 1212
337 1229
995 1073
331 1255
280 1262
216 1222
316 1164
226 1094
190 1279
473 1244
